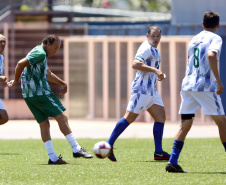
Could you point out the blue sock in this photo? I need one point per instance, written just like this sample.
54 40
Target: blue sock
177 147
224 145
119 128
158 133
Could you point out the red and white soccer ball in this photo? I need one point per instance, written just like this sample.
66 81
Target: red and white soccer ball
102 149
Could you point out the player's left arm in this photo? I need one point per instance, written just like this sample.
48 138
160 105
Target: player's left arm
212 56
55 79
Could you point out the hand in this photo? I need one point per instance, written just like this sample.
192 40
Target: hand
161 77
160 74
3 79
220 87
63 89
11 84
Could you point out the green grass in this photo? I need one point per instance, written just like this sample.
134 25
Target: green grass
25 162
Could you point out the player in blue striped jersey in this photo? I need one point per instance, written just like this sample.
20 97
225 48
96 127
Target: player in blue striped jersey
3 113
199 76
201 86
143 93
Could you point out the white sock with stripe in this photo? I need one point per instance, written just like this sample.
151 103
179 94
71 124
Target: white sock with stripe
50 150
72 141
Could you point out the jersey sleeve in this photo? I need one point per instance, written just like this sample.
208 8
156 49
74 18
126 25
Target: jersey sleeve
216 45
35 56
143 53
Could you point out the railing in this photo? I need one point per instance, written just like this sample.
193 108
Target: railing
101 66
98 71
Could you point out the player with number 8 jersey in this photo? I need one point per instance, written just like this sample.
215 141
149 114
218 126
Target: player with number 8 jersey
199 76
201 86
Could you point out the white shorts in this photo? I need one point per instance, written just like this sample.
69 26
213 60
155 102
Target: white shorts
2 106
191 101
139 102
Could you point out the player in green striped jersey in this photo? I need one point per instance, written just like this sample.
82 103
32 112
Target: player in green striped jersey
36 92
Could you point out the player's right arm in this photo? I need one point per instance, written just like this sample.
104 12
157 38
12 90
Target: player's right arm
18 70
212 56
139 65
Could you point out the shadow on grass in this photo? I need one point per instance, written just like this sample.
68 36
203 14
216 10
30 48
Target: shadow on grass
152 161
10 154
223 173
58 164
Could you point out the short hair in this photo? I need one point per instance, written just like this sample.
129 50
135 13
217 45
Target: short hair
211 19
154 28
51 39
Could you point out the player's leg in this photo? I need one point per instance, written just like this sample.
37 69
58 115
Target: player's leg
45 130
220 120
212 105
188 108
63 124
3 114
156 109
78 151
121 125
134 107
137 103
46 138
36 106
3 117
186 123
158 114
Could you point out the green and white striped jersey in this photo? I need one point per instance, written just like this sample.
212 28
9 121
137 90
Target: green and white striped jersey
34 77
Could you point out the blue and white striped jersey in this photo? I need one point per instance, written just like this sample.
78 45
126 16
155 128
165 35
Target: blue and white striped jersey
145 82
1 65
199 76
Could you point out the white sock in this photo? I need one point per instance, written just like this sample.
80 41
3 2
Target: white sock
74 144
50 150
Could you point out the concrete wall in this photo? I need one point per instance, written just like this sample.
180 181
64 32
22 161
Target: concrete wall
17 109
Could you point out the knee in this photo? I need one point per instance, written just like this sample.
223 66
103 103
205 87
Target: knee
130 116
44 125
65 118
62 119
130 119
161 118
4 119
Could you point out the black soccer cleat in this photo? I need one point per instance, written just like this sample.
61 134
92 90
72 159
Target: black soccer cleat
161 156
58 162
174 168
82 153
111 156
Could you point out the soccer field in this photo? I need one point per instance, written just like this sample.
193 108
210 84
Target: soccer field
25 162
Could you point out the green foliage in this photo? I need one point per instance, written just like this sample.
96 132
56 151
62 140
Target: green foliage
25 162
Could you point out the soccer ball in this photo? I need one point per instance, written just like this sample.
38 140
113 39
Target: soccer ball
102 149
